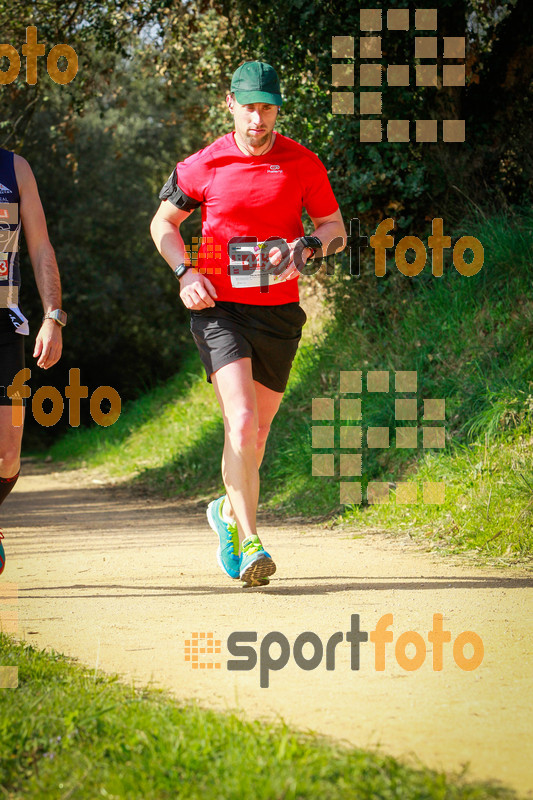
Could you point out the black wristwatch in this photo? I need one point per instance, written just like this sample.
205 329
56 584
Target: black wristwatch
180 270
312 242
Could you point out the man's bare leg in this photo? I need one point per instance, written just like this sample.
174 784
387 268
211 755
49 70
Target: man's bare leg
248 408
10 443
268 403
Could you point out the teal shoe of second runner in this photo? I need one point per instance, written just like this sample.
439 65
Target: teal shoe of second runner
227 554
3 555
256 563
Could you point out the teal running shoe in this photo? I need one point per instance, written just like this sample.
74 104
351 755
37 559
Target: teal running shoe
256 563
2 554
228 550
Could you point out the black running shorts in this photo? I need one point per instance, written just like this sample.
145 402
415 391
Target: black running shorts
11 361
269 335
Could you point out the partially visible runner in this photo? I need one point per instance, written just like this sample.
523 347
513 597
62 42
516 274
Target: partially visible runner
20 203
252 185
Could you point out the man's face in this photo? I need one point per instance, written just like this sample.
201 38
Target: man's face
253 122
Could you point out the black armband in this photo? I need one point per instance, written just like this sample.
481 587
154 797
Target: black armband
171 191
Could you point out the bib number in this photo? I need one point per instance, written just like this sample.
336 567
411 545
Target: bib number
249 262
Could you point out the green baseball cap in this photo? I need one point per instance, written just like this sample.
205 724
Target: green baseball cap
256 82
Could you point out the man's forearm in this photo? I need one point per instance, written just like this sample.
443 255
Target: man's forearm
169 242
47 276
333 238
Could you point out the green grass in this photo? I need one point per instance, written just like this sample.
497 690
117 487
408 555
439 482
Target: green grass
470 341
488 506
68 733
154 433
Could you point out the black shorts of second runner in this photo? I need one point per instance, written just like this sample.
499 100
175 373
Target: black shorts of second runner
269 335
11 360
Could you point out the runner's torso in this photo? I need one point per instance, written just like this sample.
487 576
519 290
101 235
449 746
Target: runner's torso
9 240
246 201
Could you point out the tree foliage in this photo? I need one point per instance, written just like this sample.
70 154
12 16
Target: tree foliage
150 90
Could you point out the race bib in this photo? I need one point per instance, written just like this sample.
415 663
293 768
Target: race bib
249 263
4 267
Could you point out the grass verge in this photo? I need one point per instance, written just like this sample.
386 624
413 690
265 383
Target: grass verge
488 505
68 733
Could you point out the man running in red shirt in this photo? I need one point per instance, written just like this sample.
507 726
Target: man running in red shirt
252 185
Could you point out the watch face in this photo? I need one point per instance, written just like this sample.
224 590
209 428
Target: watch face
59 316
181 270
313 242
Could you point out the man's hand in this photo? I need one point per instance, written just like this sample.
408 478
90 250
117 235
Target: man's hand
289 265
197 291
48 344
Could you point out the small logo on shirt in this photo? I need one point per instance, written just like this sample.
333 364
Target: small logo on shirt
273 168
4 188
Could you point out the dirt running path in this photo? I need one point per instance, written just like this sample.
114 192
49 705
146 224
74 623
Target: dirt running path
121 583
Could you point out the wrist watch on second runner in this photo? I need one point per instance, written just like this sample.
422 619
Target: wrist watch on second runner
312 242
57 315
180 270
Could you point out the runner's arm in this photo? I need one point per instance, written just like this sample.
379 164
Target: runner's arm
331 232
48 344
196 291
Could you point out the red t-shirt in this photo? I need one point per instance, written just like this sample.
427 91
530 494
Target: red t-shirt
259 197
